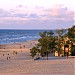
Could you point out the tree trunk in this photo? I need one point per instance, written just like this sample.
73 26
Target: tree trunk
59 54
47 56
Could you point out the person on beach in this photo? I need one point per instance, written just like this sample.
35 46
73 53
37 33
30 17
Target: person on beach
24 46
16 52
3 54
7 58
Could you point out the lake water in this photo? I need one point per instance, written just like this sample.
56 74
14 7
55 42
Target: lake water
11 36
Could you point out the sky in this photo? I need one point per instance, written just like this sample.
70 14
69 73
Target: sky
36 14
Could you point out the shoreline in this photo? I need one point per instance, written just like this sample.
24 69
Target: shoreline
18 42
17 50
26 44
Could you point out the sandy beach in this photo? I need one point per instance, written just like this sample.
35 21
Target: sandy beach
21 63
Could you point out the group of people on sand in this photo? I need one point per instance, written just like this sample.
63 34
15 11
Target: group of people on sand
14 52
8 55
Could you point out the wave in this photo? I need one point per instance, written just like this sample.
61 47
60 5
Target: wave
8 36
18 39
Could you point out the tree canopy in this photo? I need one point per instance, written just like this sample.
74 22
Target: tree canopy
49 42
71 34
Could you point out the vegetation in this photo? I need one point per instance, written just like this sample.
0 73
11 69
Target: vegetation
33 51
46 43
71 36
60 40
73 50
49 42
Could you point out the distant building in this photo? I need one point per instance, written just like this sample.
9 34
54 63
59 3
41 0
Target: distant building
66 48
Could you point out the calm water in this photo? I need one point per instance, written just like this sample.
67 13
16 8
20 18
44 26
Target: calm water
11 36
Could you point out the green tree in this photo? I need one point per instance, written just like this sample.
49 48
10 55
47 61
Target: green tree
73 50
71 34
33 52
45 45
45 42
43 34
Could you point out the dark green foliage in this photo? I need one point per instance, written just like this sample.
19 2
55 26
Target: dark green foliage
48 42
73 50
71 34
33 51
50 33
45 45
71 41
44 34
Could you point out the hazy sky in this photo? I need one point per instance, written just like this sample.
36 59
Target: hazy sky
36 14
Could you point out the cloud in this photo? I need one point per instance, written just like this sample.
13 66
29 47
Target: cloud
19 6
4 13
20 15
34 15
61 13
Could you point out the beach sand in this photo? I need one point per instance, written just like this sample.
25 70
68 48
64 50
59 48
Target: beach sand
21 63
14 49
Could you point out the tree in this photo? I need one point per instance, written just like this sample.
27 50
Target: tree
73 50
43 34
33 51
45 42
60 40
71 34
